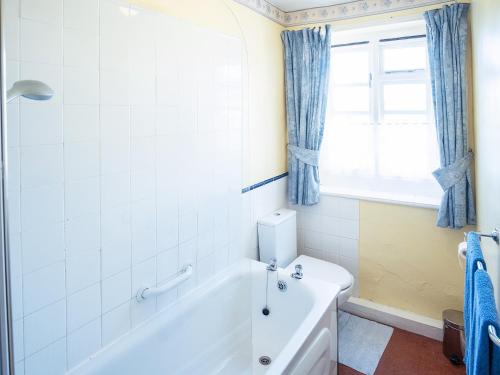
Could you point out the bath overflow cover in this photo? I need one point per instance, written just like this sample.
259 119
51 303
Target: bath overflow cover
265 360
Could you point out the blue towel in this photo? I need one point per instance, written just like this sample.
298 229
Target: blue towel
473 255
483 356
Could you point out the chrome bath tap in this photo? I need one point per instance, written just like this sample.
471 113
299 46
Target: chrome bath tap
273 266
298 274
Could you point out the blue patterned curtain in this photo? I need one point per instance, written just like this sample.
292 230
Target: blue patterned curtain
307 69
447 36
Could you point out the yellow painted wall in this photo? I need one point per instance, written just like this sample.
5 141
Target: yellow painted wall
406 261
485 17
265 135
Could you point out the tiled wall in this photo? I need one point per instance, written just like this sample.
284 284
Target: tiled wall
130 171
330 231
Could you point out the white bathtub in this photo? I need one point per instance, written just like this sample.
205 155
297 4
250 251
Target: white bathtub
219 328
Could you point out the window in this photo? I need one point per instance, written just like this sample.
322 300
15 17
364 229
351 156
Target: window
379 139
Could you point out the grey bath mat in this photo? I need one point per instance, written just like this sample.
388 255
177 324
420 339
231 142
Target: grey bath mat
361 342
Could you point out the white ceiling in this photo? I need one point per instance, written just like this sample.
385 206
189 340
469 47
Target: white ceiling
292 5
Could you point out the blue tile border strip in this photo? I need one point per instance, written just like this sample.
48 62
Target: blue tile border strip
262 183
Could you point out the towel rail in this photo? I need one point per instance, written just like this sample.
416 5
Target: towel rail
492 332
494 235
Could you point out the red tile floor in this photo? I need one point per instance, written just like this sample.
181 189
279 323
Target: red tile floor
411 354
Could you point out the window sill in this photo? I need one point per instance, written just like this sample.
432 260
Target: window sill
401 200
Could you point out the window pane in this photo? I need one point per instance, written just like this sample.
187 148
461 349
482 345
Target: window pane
350 98
348 149
350 66
407 151
405 97
405 118
404 58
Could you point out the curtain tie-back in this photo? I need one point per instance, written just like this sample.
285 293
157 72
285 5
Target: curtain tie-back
305 155
453 173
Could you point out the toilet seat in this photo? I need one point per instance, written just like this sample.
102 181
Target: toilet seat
323 270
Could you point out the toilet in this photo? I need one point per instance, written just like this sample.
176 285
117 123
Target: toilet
278 240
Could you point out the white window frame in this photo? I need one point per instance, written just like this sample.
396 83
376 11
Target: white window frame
378 78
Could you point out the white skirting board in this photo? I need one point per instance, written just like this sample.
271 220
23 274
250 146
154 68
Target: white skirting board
391 316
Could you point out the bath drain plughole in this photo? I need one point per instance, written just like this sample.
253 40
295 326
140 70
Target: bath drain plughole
265 360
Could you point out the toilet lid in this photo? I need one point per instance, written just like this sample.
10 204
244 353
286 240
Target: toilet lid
323 270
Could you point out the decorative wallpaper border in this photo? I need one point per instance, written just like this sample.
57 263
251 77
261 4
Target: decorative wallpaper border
266 9
352 9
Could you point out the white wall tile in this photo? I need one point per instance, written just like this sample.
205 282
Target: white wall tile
115 140
144 274
187 253
81 86
17 297
13 132
143 230
19 367
49 361
115 323
43 287
143 186
143 155
114 88
14 170
15 255
330 231
40 42
40 123
81 49
82 15
45 204
83 270
43 246
167 120
167 228
350 264
116 290
114 18
81 160
205 246
115 258
84 306
46 11
18 337
83 342
140 312
11 29
143 120
115 190
81 123
82 198
41 166
82 234
44 327
167 264
188 227
116 240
